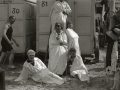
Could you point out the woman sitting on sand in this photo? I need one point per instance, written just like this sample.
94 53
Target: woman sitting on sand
35 69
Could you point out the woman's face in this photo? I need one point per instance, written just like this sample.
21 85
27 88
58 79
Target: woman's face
73 55
58 29
12 20
31 57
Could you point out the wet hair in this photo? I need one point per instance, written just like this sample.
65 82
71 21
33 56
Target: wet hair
68 23
58 25
12 17
72 50
72 53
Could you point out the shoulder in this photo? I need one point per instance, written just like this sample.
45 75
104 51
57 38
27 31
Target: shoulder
66 3
56 3
36 58
68 31
25 63
6 26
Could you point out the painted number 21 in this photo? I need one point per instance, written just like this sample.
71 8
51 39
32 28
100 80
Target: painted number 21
44 3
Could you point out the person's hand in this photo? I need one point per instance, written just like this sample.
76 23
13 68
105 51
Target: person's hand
65 13
62 43
10 43
17 44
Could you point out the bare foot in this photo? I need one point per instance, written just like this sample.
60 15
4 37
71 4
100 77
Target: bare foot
112 88
88 81
11 66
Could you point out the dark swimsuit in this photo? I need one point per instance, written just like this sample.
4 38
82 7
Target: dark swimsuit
5 45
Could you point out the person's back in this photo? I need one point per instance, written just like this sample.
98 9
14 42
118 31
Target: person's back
73 38
59 12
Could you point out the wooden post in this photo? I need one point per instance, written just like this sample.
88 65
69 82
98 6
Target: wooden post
2 79
111 12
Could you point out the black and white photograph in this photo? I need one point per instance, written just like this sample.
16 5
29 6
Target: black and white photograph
59 44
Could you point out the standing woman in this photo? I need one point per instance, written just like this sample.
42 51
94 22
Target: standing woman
59 12
6 41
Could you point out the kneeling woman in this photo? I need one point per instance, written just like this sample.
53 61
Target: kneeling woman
78 68
34 68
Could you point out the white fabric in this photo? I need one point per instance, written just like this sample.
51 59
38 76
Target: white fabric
56 14
73 40
57 54
78 66
38 73
114 56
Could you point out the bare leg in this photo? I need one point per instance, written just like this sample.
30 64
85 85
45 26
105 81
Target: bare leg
116 81
11 58
113 85
2 56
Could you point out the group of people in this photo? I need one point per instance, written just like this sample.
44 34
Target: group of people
63 48
62 39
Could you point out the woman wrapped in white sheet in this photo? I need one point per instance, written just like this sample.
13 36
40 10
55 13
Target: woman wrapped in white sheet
35 69
77 68
57 50
59 12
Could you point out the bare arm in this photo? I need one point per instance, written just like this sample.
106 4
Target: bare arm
4 34
68 9
23 76
58 8
15 42
62 42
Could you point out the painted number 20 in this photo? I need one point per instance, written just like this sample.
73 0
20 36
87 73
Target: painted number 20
15 11
44 3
